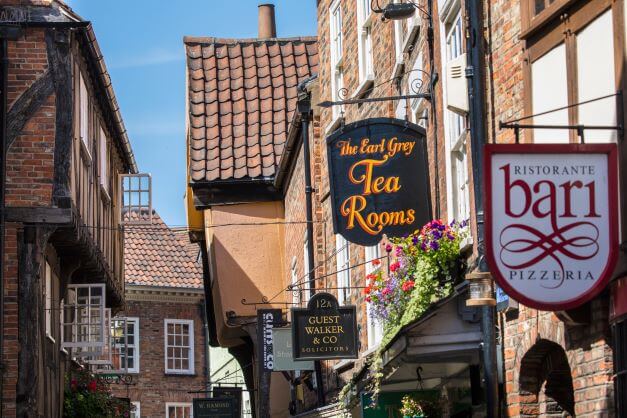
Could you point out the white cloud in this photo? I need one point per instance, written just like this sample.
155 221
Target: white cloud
148 58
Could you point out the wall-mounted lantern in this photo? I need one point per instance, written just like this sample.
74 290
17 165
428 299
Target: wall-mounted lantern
481 290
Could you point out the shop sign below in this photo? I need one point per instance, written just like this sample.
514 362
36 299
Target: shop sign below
324 330
551 221
214 408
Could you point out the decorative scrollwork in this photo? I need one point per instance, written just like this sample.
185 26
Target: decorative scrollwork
116 378
342 93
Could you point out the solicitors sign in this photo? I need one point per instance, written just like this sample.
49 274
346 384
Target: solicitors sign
379 179
324 330
552 221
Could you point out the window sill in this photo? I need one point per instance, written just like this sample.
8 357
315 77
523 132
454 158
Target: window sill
371 351
343 365
335 123
412 34
85 151
105 194
399 66
465 245
173 373
364 87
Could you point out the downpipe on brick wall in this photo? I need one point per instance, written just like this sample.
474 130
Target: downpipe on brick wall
4 66
475 72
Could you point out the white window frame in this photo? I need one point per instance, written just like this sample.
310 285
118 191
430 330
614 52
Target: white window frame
342 258
75 307
126 345
136 195
306 271
83 113
190 324
103 157
364 47
375 329
178 404
296 298
48 300
137 412
414 79
399 37
337 72
458 179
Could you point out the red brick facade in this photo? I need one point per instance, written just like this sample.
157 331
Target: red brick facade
152 387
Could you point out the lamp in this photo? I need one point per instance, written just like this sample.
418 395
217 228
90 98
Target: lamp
481 290
398 11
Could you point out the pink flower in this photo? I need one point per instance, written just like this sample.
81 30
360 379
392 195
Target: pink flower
376 262
388 248
395 266
368 299
91 386
408 285
385 291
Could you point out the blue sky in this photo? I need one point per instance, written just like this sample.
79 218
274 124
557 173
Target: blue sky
142 41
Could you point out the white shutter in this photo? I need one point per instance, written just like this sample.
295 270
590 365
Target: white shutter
596 77
550 91
84 318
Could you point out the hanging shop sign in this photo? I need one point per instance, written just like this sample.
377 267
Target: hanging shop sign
379 176
214 408
324 330
266 320
230 392
551 221
283 352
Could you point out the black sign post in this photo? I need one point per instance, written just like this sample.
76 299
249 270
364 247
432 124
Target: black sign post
214 408
324 330
230 392
379 175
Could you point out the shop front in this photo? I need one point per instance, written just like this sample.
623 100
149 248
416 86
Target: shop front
432 364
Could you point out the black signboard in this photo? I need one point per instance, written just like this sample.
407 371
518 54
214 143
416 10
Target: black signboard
324 330
266 319
234 393
379 174
214 408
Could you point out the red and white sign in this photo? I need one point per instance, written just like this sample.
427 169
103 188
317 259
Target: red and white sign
551 221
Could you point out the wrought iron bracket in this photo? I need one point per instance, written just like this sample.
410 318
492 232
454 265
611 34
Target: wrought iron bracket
420 88
265 301
579 128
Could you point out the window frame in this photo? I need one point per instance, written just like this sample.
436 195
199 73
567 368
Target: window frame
103 160
191 366
342 262
374 338
138 409
336 44
135 346
551 31
75 306
365 51
177 404
48 300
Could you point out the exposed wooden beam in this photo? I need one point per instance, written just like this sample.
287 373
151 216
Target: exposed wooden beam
41 215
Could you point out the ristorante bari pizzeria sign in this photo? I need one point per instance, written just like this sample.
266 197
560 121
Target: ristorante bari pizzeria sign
324 330
379 178
552 221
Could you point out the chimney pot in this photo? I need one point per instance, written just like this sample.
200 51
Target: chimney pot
267 25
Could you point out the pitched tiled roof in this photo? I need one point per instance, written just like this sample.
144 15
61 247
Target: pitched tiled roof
155 255
241 98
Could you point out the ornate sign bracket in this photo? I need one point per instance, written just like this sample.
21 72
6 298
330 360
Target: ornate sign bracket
418 90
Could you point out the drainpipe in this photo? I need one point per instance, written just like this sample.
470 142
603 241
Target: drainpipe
304 108
207 350
475 73
4 66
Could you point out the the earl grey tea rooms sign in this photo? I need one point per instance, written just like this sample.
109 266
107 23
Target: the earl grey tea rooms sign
551 221
379 179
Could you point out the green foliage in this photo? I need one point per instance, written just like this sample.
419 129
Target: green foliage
427 263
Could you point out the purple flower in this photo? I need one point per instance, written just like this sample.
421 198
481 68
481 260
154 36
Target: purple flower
434 245
437 234
414 240
450 236
388 248
423 246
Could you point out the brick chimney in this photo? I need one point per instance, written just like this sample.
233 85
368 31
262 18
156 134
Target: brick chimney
267 26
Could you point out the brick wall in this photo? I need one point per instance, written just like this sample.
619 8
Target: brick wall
153 388
588 366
